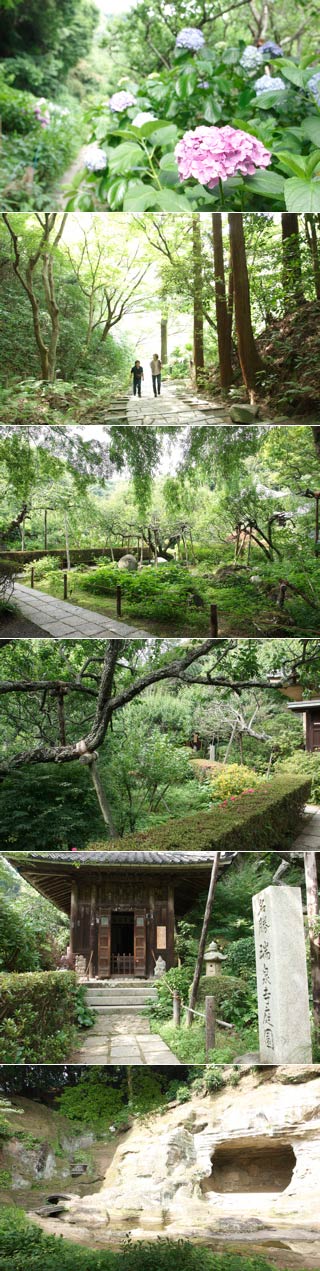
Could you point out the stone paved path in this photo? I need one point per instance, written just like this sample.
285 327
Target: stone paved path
59 618
175 406
122 1039
309 837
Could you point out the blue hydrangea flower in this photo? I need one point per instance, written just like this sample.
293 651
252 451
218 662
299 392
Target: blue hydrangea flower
269 84
251 58
121 101
95 159
190 38
314 86
270 49
203 83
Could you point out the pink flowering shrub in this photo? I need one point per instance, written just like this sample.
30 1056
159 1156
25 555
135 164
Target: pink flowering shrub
213 154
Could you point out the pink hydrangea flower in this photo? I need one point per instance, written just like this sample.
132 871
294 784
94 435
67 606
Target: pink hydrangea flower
121 101
212 154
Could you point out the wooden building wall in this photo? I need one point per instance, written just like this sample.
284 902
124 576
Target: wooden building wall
94 900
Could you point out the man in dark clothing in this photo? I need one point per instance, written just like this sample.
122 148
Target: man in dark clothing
138 376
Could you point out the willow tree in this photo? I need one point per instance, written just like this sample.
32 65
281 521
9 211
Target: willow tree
249 357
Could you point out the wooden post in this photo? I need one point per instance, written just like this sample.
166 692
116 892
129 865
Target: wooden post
65 585
73 915
210 1008
317 517
213 620
118 595
176 1009
46 529
203 937
170 928
93 912
32 576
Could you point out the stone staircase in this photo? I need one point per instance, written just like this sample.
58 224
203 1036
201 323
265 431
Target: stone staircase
108 997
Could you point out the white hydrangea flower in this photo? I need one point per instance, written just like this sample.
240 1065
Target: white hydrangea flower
314 87
142 118
251 58
269 84
95 159
190 37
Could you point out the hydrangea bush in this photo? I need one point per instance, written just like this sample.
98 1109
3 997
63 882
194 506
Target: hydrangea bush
209 132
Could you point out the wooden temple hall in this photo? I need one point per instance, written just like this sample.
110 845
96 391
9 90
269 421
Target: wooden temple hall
122 905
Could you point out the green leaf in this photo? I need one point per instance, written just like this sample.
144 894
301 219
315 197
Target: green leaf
115 194
169 201
311 129
302 195
211 113
165 135
140 202
126 157
168 162
266 182
187 83
292 73
292 162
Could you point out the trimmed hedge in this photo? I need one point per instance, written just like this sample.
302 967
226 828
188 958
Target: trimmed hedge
22 1245
265 818
78 555
37 1016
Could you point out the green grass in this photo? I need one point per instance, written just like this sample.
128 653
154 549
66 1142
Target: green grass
188 1044
23 1245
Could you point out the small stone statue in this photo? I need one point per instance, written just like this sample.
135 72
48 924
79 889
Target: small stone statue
160 968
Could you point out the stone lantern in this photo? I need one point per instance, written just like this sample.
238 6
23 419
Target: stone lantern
212 959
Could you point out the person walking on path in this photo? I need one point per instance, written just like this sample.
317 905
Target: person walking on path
156 374
138 376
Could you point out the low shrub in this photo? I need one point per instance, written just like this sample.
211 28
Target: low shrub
22 1244
232 779
266 819
37 1016
8 573
168 592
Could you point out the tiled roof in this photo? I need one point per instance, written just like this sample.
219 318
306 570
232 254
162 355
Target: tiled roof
118 858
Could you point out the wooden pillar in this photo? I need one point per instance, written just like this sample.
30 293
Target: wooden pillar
93 929
151 933
73 915
170 927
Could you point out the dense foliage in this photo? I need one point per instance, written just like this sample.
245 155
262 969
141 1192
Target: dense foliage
23 1243
38 1013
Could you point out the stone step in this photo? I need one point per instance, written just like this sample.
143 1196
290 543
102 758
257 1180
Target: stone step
120 998
103 1012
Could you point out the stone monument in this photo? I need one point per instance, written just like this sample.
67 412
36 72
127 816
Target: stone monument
283 1000
213 958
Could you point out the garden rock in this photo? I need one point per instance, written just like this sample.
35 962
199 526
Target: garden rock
162 1182
243 414
128 562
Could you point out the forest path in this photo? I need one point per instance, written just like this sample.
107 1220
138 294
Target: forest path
59 618
176 406
59 193
122 1038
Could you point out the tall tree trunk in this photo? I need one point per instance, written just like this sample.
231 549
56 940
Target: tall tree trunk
312 240
45 529
198 348
164 340
224 319
66 535
203 937
291 261
249 358
101 797
311 874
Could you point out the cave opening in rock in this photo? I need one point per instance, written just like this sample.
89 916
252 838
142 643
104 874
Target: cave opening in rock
260 1166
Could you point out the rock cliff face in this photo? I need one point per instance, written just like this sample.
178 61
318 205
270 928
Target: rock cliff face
236 1164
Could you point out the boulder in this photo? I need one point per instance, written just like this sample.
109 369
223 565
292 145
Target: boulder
184 1171
128 562
243 414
